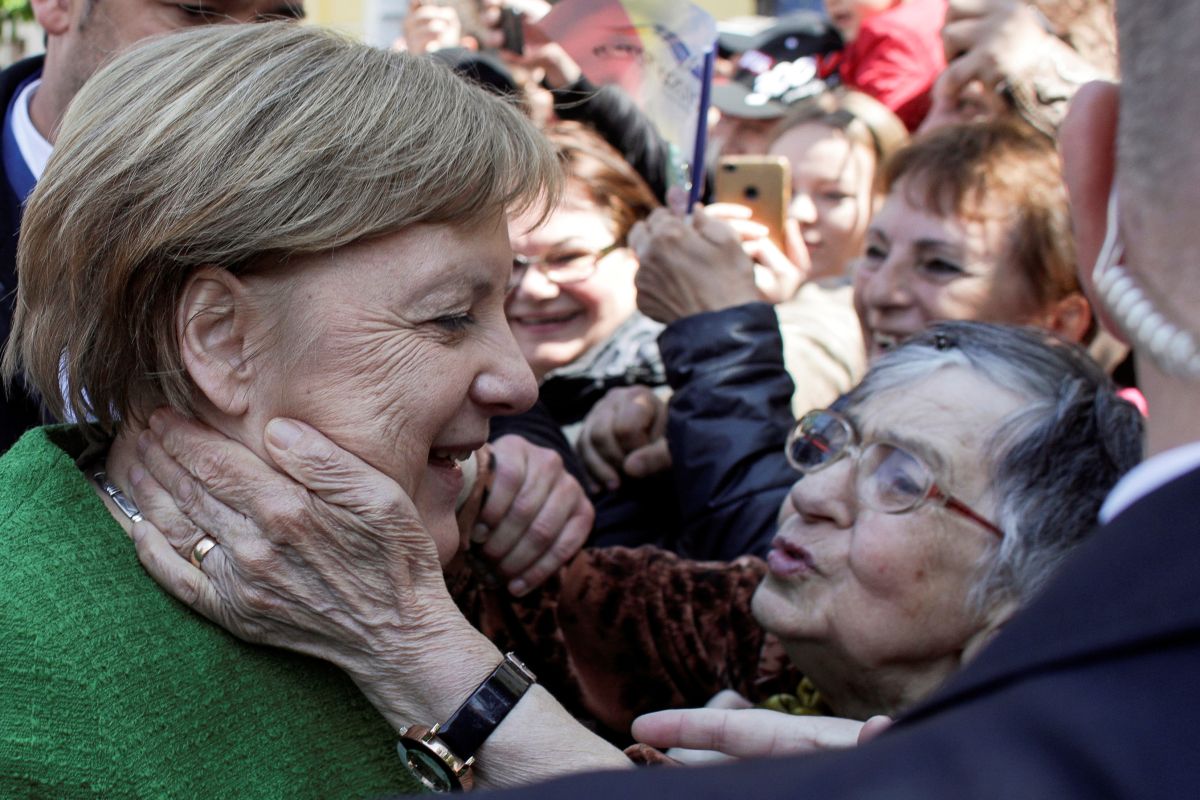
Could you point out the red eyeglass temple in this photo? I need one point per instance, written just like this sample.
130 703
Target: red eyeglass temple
935 493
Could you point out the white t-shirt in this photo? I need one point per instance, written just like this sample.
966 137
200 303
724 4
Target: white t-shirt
35 150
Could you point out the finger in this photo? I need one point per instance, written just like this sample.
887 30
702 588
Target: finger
184 582
797 250
717 231
572 536
747 230
607 434
336 476
638 238
783 279
528 499
873 727
649 460
962 71
958 9
186 495
533 538
225 468
508 475
728 211
744 733
593 456
157 505
633 420
960 36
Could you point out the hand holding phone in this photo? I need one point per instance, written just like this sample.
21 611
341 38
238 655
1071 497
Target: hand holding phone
761 183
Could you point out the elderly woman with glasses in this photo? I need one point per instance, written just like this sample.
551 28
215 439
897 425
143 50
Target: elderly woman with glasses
935 500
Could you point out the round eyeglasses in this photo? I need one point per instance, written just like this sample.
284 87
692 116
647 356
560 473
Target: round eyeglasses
567 266
888 478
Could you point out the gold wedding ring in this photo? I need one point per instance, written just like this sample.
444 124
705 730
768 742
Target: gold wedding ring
202 548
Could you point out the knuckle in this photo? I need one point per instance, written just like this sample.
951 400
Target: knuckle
549 460
280 513
209 464
524 508
542 535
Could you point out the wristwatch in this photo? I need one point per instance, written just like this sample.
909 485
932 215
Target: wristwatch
440 757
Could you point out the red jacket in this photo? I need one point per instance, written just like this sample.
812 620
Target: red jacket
896 58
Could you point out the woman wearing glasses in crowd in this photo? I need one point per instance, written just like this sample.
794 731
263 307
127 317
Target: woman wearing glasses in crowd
936 499
572 308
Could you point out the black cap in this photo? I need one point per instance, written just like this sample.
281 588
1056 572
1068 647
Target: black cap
802 33
776 66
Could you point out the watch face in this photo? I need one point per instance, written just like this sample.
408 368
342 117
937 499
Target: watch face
428 769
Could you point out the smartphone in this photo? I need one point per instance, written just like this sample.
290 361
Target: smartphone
512 26
761 183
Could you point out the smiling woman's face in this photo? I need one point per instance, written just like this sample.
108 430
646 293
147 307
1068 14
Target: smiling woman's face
555 324
874 589
920 267
832 181
401 355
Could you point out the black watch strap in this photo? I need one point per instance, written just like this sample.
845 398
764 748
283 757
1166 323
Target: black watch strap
475 720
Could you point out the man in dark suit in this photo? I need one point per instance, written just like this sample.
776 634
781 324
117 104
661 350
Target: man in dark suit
1094 689
80 35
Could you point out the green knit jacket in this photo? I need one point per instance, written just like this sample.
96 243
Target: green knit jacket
110 688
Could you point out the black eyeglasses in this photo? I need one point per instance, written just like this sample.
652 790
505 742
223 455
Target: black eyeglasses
888 479
569 266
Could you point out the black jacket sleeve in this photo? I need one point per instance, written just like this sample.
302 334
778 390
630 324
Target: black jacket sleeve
728 422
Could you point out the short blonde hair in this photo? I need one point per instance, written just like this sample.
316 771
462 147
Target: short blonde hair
862 118
237 146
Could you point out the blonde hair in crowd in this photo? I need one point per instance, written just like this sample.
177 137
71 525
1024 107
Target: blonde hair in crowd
236 146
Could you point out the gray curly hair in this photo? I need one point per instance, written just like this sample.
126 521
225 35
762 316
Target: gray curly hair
1056 458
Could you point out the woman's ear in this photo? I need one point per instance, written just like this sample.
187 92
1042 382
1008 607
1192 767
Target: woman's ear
212 326
1070 317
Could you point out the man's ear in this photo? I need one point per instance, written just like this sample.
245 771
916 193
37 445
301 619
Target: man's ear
1070 317
1088 143
211 325
53 15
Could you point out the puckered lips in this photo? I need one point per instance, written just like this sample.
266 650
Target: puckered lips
788 559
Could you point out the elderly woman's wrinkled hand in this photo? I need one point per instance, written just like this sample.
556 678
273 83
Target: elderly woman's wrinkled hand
745 733
625 434
323 555
536 516
691 267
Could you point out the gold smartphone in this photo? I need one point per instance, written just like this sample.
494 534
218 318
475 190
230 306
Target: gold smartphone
761 183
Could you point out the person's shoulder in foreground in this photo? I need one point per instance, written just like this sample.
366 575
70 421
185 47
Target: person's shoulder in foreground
95 660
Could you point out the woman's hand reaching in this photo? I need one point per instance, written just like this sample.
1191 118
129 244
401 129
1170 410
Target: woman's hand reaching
752 732
536 516
625 434
718 259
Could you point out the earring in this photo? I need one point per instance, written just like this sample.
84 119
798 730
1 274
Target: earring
1174 349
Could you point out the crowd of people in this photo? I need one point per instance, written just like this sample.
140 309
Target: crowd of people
377 421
